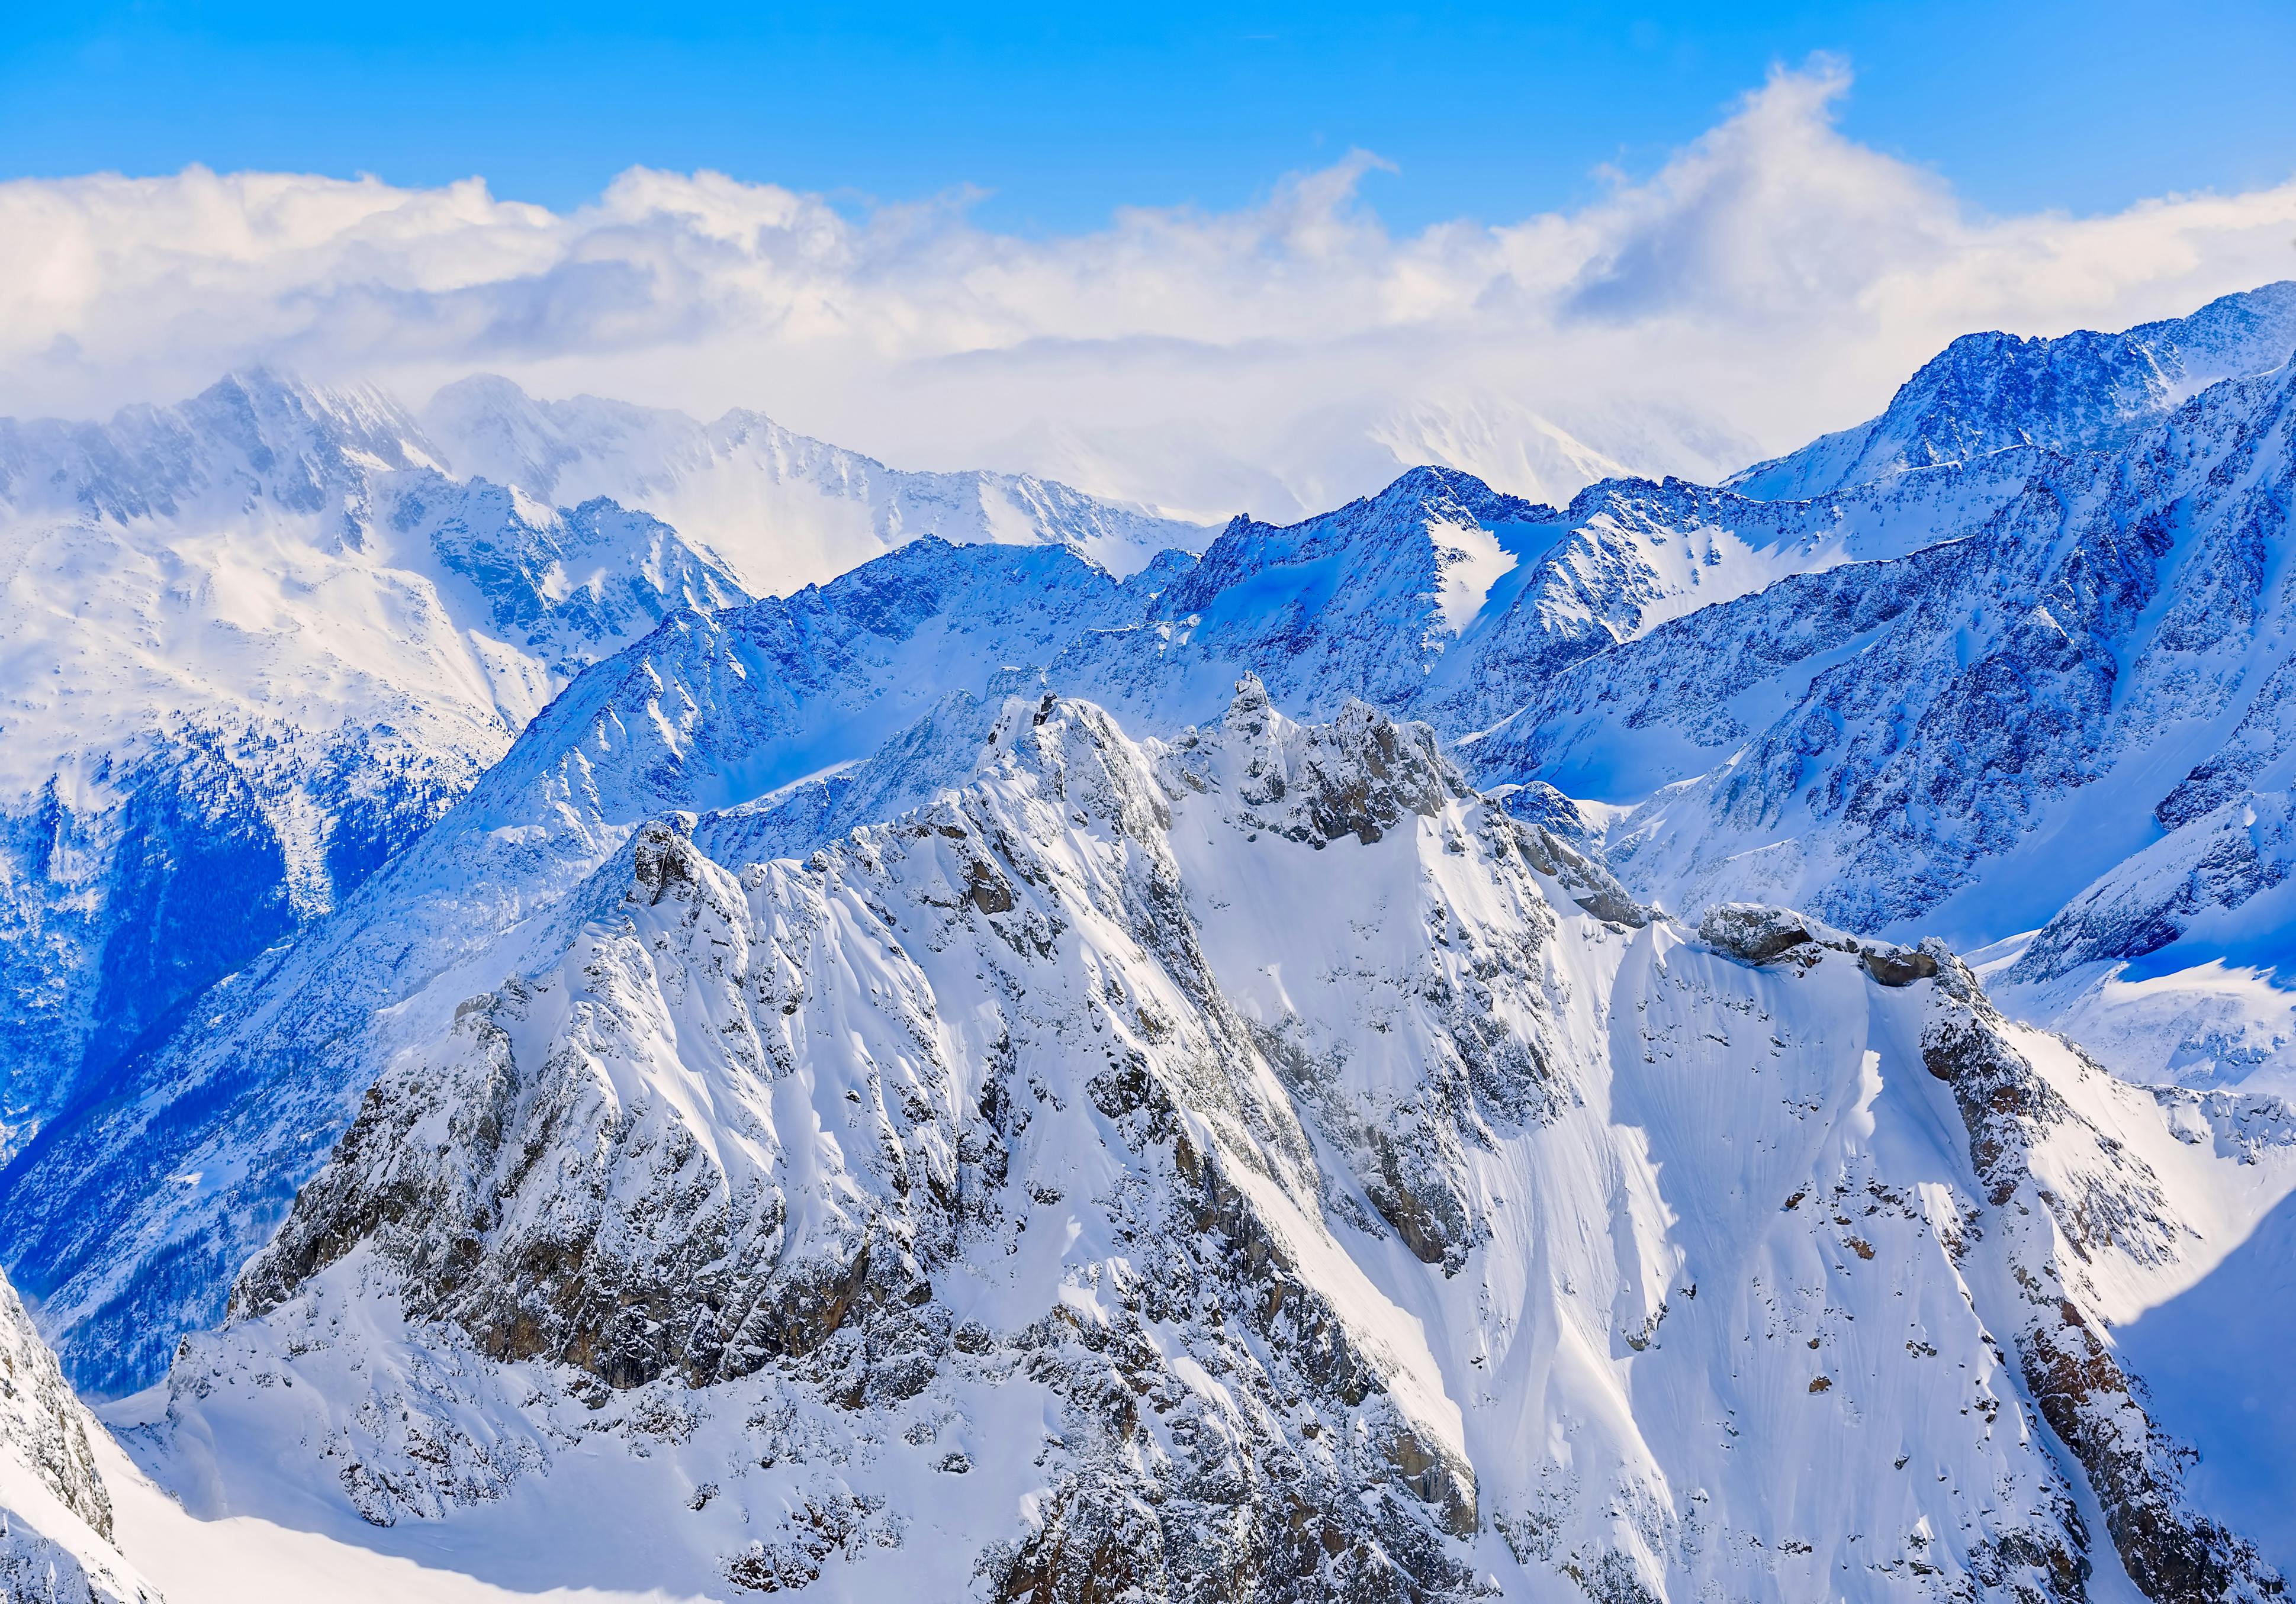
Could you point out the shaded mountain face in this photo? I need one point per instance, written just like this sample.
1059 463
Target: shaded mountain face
2083 391
1250 1165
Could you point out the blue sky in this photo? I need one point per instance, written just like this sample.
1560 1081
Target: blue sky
1064 112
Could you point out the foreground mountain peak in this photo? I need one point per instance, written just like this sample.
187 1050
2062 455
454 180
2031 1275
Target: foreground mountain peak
1156 1162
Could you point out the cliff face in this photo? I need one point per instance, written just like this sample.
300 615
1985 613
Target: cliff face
56 1539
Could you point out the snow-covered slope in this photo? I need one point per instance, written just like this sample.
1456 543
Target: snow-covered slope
2081 392
255 644
778 509
56 1536
1966 736
1252 1165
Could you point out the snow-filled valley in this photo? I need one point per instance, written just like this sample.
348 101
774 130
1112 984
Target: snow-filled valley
604 1004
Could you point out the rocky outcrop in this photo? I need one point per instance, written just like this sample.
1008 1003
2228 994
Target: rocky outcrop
1359 776
2170 1548
56 1540
1756 933
42 1422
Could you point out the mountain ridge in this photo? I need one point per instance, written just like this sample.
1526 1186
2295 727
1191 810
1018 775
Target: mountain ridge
2078 391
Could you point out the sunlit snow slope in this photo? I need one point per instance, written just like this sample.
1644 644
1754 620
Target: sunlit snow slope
256 642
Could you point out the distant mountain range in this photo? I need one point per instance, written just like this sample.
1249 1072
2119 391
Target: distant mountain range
932 1031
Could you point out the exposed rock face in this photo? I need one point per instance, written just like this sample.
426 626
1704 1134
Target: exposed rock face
56 1515
41 1422
1360 777
2170 1549
1753 933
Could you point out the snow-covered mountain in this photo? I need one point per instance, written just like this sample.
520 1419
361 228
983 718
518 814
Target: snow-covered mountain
2066 718
1439 598
130 1216
256 642
254 645
1251 1165
2083 391
1444 599
781 511
989 1077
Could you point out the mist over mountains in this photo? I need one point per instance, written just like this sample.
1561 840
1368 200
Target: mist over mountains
935 1031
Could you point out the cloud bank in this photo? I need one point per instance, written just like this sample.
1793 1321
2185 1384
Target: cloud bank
1773 279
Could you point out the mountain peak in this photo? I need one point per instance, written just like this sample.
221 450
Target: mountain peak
2081 392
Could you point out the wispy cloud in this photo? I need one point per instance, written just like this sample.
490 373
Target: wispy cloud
1771 280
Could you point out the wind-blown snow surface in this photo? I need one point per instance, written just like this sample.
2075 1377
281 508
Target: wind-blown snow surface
1252 1165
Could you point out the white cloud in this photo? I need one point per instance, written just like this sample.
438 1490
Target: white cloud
1774 279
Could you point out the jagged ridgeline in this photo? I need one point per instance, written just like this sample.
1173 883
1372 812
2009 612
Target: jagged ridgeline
1075 1069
